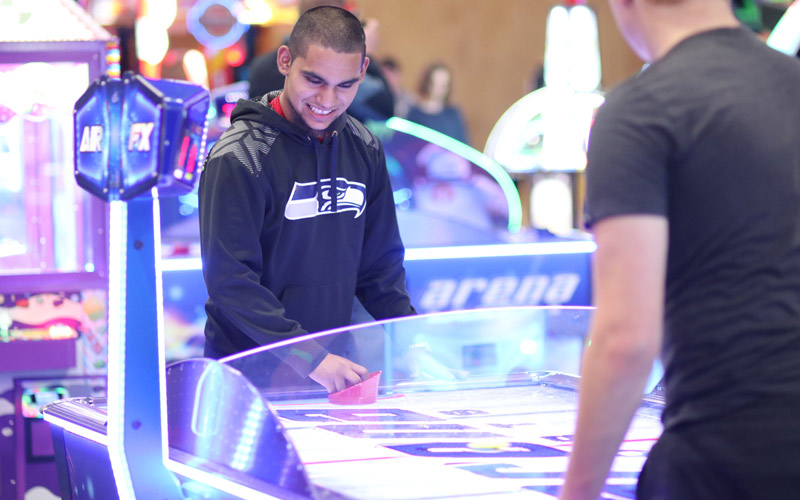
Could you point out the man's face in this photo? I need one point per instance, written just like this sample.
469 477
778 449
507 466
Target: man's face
320 85
626 14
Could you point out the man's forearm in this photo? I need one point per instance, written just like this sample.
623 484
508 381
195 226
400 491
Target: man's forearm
612 381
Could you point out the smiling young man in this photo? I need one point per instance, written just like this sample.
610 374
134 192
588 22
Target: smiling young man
693 195
297 216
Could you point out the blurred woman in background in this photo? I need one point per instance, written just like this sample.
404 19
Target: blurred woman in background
433 108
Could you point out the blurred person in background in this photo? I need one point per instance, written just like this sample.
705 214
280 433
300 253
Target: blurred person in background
375 99
433 108
394 76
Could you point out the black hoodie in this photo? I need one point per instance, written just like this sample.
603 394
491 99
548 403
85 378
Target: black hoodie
281 257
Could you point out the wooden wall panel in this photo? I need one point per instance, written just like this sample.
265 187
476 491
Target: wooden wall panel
492 46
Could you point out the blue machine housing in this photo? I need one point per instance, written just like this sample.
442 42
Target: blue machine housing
134 134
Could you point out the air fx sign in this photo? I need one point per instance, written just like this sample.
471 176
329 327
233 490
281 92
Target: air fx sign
134 134
139 138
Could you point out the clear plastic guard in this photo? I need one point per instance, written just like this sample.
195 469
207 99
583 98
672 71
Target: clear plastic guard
477 348
464 398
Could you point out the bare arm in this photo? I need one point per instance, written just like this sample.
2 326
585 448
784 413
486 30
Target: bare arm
629 278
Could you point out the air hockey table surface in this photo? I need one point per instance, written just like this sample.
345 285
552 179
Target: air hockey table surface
477 443
471 404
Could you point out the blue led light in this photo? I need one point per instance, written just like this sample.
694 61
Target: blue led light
76 429
445 253
216 481
118 232
201 33
503 250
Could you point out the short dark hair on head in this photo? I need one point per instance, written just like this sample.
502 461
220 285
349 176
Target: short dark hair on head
329 27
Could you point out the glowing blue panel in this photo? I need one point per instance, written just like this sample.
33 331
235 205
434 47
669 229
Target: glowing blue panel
93 135
140 138
135 134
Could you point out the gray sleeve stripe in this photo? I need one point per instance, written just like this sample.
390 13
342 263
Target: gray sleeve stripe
362 132
245 140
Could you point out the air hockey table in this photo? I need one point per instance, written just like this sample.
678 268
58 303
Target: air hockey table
445 419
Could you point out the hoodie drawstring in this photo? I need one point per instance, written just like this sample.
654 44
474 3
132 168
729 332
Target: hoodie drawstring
334 174
333 190
318 185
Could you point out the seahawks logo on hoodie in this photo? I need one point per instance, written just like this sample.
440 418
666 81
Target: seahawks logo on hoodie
310 199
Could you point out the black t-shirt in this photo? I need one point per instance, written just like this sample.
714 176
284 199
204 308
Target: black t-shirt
709 137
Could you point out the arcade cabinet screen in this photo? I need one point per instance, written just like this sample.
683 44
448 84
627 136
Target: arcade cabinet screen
45 214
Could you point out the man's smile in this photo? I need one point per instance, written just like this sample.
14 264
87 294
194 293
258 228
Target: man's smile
319 111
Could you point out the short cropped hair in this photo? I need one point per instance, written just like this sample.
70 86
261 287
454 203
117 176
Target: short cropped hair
330 27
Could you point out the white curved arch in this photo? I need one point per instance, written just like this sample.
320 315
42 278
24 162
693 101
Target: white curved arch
785 37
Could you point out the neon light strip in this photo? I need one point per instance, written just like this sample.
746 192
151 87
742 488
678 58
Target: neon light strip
118 236
785 37
504 250
77 429
187 264
216 482
162 357
444 253
492 167
199 31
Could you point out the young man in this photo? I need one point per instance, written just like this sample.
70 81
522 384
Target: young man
693 195
374 99
296 210
264 74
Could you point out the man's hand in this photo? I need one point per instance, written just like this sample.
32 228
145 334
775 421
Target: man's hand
336 373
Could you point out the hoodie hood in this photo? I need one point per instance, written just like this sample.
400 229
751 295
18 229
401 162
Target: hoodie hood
278 259
259 110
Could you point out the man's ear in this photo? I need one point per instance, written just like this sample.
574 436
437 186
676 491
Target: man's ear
284 60
364 66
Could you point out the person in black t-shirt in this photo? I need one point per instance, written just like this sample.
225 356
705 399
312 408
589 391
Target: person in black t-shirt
693 195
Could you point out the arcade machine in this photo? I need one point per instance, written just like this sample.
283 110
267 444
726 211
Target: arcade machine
135 140
456 420
53 260
460 219
184 288
541 139
429 422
